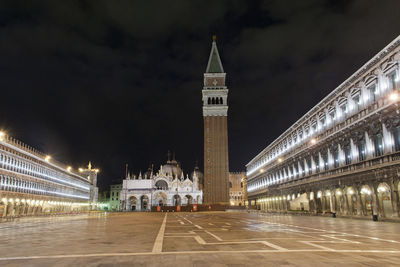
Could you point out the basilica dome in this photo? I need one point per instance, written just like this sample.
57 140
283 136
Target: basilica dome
171 168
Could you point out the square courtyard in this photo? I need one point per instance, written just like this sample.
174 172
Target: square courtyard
198 239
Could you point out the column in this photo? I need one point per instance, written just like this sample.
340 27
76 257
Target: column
346 207
5 209
332 200
323 204
310 204
395 200
360 211
375 207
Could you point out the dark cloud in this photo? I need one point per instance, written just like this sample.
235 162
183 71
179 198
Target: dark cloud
120 82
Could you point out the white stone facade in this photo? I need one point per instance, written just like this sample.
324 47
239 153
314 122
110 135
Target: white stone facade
165 188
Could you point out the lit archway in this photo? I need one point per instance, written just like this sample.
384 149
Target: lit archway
144 202
385 201
133 203
189 199
160 199
177 200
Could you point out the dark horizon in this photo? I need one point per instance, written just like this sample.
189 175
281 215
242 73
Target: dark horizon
115 84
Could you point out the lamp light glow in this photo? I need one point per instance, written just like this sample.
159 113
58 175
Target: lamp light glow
394 96
313 141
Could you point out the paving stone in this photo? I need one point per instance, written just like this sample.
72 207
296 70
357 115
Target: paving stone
198 239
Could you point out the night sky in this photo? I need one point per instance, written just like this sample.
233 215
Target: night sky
119 82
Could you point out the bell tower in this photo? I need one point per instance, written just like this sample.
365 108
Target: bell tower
215 115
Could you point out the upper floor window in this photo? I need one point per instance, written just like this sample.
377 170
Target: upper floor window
372 92
378 145
392 80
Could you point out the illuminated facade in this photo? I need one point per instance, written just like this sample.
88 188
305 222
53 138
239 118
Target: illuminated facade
167 187
114 202
236 188
343 156
31 183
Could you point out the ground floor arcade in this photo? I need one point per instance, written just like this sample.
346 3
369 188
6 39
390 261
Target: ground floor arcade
13 204
360 195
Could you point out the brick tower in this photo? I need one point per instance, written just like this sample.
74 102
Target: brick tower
215 114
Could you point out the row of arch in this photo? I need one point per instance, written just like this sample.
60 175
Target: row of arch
380 199
14 184
17 206
143 202
367 90
350 151
27 167
215 101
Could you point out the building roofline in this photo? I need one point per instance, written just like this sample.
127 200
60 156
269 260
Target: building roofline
382 53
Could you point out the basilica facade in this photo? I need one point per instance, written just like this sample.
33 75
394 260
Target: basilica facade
169 186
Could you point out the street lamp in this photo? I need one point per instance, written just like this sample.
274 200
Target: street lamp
47 158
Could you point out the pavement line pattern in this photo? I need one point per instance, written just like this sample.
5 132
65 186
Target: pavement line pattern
193 252
160 237
215 236
322 230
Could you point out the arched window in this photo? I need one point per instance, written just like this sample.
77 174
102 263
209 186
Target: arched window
209 100
241 184
213 101
161 185
217 102
220 101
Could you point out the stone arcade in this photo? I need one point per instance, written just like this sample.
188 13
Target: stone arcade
32 183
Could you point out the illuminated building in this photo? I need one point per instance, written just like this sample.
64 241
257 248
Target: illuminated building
32 183
343 156
236 188
167 187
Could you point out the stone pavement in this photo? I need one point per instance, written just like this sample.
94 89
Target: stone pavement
198 239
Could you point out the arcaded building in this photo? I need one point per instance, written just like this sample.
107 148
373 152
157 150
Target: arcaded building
215 115
343 156
32 183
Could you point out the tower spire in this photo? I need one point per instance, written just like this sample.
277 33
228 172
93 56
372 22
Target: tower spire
214 61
